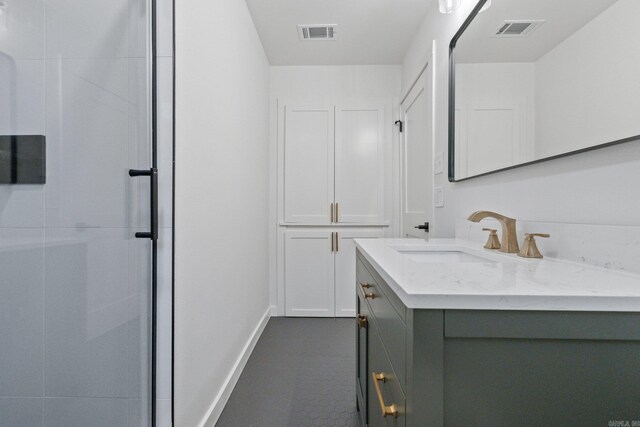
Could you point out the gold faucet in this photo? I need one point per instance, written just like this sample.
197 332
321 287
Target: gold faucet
530 249
493 242
509 236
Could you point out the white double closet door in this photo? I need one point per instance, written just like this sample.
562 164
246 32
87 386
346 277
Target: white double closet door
320 271
334 155
333 188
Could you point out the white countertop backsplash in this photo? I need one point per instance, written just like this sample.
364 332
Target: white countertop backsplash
607 246
507 283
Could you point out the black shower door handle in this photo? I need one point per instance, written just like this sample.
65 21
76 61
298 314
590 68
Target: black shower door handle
152 173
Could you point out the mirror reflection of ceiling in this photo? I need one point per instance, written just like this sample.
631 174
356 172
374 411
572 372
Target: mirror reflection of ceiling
562 18
570 84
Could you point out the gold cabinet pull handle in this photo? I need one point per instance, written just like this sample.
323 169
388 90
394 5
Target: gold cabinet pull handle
337 242
331 212
332 242
370 295
362 321
386 410
337 215
365 285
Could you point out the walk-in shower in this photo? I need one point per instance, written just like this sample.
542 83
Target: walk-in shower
84 303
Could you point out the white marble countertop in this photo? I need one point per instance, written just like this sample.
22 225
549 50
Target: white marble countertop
503 282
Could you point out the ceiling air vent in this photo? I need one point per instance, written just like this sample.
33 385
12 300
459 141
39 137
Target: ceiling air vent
517 28
317 32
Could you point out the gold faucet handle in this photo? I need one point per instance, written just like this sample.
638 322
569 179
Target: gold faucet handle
493 242
530 249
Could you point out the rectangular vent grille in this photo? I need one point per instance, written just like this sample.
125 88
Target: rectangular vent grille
518 28
317 32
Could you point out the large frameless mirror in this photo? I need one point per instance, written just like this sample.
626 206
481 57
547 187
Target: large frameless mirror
532 80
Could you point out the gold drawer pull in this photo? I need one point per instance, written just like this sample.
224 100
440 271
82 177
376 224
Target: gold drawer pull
365 285
370 295
362 321
386 410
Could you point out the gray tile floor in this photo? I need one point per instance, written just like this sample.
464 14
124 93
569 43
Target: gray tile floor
301 373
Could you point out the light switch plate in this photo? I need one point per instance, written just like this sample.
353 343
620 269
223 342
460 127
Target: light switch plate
438 196
438 163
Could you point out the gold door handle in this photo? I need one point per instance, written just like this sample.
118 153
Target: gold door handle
331 212
337 242
370 295
362 321
365 285
333 249
337 211
386 410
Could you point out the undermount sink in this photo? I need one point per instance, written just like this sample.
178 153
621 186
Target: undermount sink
443 254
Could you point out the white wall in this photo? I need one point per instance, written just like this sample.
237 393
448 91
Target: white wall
334 82
598 187
329 83
222 130
587 87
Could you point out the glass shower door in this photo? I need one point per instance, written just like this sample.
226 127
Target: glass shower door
75 283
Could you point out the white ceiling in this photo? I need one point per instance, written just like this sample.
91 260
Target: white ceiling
563 18
368 32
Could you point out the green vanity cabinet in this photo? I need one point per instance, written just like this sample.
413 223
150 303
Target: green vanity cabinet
362 332
492 368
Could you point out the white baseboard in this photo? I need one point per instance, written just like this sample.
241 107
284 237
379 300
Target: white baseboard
215 410
274 311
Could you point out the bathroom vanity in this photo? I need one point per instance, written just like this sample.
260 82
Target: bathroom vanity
452 334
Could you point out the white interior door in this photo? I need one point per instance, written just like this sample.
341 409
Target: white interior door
417 157
309 273
460 140
345 279
307 142
359 165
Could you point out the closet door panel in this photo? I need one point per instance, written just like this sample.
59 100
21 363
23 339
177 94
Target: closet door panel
345 287
309 273
359 145
307 143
